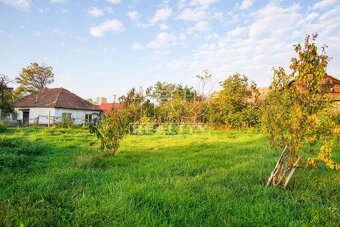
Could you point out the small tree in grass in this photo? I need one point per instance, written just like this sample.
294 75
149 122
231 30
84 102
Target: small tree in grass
298 116
110 131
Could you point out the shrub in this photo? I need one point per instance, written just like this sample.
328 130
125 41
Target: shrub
111 130
3 126
66 123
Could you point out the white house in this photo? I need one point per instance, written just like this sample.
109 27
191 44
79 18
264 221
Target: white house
50 106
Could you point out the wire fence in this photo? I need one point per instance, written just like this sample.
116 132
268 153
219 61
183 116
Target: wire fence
47 120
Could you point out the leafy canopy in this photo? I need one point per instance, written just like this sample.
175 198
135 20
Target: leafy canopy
34 78
297 113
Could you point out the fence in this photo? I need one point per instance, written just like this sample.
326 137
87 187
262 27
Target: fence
168 129
47 120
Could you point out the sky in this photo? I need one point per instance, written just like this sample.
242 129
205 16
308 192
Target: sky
106 47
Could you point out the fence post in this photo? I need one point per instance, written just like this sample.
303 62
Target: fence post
49 118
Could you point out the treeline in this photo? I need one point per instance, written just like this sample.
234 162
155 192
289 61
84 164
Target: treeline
236 105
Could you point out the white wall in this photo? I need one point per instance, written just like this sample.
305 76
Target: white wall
34 113
56 115
77 115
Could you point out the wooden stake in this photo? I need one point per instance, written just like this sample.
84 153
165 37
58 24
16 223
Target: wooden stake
291 172
277 167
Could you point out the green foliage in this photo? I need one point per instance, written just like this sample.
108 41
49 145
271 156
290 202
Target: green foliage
233 107
111 130
66 123
3 126
164 92
34 78
133 103
297 113
6 96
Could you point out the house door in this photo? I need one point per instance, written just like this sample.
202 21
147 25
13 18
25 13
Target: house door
26 117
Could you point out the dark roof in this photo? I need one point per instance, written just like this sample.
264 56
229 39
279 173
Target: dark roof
55 98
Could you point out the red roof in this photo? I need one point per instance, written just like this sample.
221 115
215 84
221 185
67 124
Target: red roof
107 107
55 98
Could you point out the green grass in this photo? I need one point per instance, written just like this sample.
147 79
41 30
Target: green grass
185 180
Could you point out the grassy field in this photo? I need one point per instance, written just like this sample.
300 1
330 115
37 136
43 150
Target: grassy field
202 180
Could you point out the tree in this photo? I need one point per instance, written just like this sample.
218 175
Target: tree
229 106
34 78
297 115
136 105
163 92
110 131
6 96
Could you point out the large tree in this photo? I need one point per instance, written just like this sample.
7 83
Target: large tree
34 78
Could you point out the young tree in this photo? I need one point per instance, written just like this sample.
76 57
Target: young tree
110 131
34 78
297 114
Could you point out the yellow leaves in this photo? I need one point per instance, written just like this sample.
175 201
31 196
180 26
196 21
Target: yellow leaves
312 162
336 130
296 118
310 139
325 156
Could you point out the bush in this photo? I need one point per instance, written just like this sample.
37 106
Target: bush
110 131
66 123
3 126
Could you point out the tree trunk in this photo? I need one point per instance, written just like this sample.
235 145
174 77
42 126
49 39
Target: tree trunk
282 172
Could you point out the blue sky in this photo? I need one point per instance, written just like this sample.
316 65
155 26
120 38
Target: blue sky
105 47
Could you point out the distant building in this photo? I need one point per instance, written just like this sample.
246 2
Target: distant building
54 105
107 107
330 85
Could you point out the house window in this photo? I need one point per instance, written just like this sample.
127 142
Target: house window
88 118
66 116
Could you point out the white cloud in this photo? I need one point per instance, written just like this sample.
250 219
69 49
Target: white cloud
324 4
190 14
311 16
163 27
201 26
19 4
162 41
161 14
95 12
133 15
274 21
246 4
239 31
137 46
107 26
203 3
115 2
57 1
213 36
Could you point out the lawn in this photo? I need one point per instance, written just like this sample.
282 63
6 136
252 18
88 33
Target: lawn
209 179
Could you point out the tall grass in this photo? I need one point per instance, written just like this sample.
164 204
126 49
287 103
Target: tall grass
206 179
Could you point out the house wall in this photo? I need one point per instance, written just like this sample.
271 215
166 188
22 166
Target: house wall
36 115
77 115
40 115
